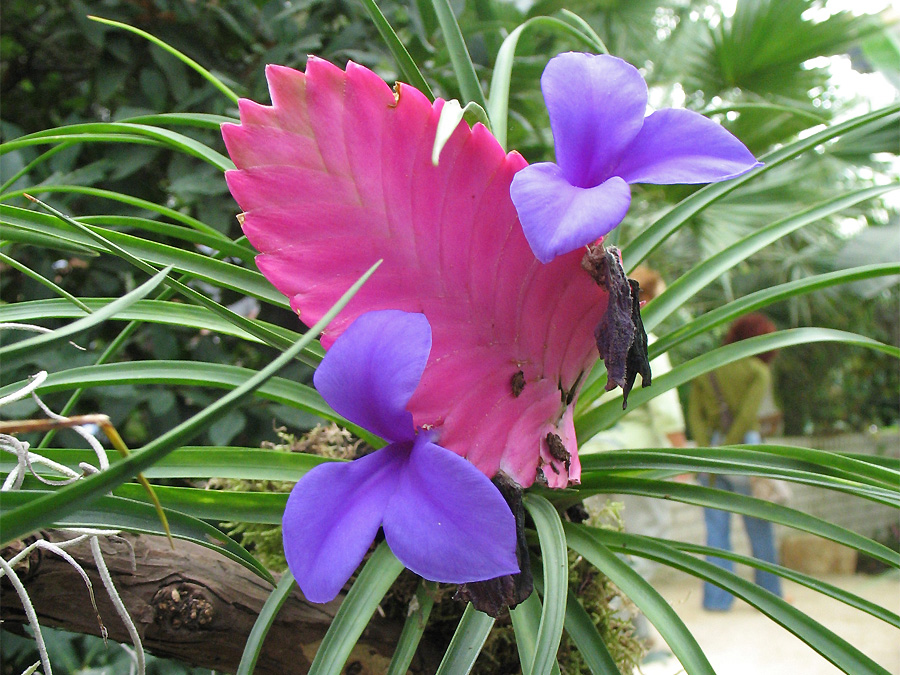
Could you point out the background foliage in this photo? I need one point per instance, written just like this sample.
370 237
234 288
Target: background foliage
61 68
755 71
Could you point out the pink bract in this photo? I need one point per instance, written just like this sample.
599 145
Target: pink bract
337 174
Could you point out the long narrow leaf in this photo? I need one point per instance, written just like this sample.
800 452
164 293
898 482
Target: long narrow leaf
737 503
526 622
469 84
398 50
14 222
29 345
752 457
687 285
466 644
370 587
498 103
188 119
554 557
134 516
214 240
166 212
650 602
128 132
199 374
765 297
606 414
145 311
21 521
263 622
584 634
413 628
701 275
203 72
67 300
653 236
817 585
195 462
834 648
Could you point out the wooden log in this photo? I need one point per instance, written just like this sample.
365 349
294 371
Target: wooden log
190 604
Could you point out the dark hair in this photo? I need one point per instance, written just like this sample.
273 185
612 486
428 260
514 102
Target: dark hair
749 326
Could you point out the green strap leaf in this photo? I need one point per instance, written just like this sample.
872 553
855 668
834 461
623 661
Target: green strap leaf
498 103
451 115
195 462
135 516
687 285
139 251
606 414
765 297
834 648
67 300
413 628
584 634
405 62
762 456
147 311
469 84
19 522
122 132
639 591
29 345
653 236
263 622
204 73
186 119
817 585
526 622
737 503
375 579
171 214
194 373
555 562
466 644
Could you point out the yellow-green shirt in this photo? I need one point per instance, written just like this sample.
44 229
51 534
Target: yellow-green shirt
743 385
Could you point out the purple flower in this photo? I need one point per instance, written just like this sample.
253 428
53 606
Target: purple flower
442 517
604 143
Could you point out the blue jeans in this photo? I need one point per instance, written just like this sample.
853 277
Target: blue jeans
718 535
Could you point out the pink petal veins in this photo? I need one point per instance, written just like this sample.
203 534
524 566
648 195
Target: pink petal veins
337 174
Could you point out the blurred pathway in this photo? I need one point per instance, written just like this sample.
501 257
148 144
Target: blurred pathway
745 642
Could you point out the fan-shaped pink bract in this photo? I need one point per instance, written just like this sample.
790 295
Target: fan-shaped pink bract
337 174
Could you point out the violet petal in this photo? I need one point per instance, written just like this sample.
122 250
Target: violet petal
596 105
332 516
682 146
558 217
447 522
372 370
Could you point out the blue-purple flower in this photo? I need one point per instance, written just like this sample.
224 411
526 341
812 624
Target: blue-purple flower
442 517
604 143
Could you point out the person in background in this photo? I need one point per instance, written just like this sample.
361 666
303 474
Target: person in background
659 423
723 409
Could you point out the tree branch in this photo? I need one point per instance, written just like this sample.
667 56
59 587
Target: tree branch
190 604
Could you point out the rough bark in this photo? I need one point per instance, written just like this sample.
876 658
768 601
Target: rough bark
189 603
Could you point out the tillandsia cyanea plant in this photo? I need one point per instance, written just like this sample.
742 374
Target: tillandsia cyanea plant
337 174
442 517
